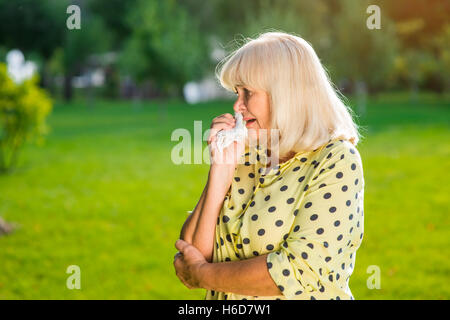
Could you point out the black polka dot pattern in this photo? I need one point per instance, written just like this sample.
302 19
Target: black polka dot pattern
305 214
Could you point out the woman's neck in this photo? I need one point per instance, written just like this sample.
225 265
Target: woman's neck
269 165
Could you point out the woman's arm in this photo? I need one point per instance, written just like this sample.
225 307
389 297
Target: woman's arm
188 229
246 277
201 225
215 202
219 182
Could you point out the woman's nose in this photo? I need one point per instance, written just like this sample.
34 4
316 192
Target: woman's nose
239 106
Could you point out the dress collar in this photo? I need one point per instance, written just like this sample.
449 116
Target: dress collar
301 155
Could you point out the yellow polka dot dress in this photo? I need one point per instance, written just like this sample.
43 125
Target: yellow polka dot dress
306 214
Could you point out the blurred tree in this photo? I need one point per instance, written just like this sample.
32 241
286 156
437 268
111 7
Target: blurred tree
25 21
165 47
114 13
23 110
442 42
362 54
167 42
32 26
78 45
338 32
422 29
205 13
417 20
307 19
226 18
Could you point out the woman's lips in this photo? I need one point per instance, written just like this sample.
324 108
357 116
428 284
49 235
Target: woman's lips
249 122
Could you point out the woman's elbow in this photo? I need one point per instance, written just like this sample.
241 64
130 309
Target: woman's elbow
186 236
186 231
206 252
209 258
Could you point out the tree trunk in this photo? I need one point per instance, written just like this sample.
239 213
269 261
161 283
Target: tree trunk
68 92
361 97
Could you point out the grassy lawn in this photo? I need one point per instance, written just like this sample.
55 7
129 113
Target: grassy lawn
103 194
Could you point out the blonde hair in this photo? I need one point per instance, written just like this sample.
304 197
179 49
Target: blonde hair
304 105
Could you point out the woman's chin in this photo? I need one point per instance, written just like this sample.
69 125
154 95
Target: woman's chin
252 135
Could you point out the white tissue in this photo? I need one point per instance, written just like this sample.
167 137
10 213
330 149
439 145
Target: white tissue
226 137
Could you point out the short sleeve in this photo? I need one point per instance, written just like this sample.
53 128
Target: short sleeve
315 260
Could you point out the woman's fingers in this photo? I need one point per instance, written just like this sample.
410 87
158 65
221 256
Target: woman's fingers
225 121
186 283
180 272
221 125
222 122
227 118
177 255
216 128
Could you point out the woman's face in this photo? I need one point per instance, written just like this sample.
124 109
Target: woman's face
254 106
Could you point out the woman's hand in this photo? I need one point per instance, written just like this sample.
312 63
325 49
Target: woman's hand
230 155
188 263
225 121
246 277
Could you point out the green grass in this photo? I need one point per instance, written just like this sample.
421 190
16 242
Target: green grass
103 194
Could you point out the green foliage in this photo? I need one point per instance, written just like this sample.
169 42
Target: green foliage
32 26
422 31
79 44
113 13
309 19
337 30
362 54
23 110
166 45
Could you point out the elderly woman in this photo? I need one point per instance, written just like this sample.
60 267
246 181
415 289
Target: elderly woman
289 230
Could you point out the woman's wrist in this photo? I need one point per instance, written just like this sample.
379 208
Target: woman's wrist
221 174
203 271
222 170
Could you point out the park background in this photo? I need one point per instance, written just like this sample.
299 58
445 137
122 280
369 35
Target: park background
86 176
